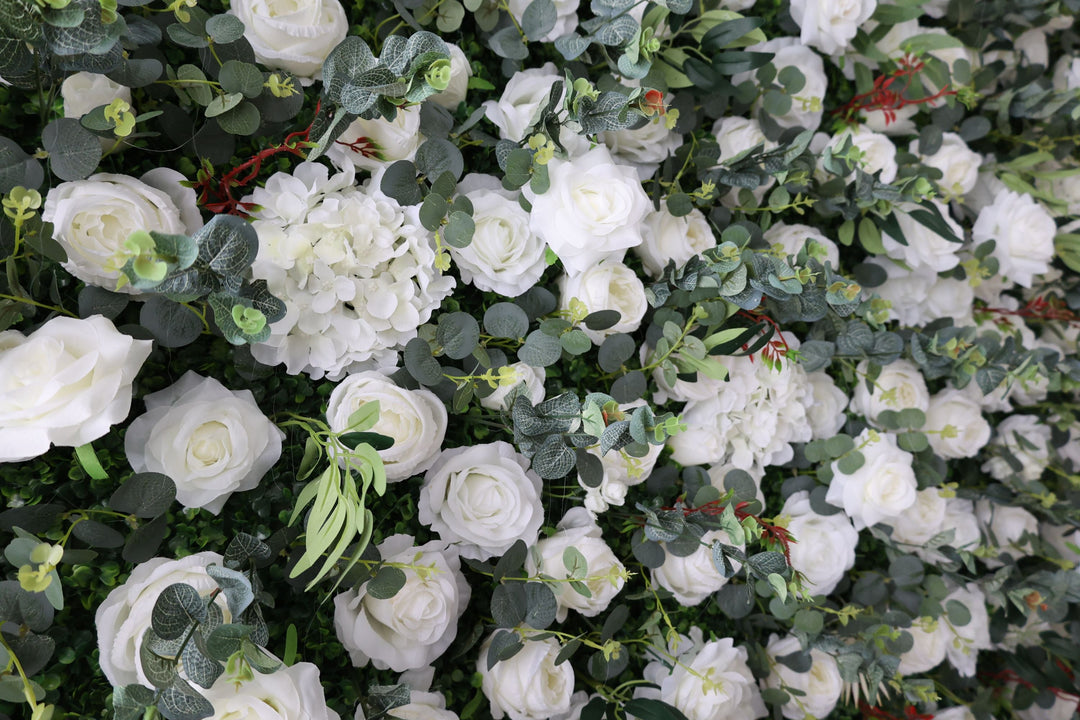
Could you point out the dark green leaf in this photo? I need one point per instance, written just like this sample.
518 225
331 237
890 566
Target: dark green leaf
386 583
97 534
74 151
176 608
506 320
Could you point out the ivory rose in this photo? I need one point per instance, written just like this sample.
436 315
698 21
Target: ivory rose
292 35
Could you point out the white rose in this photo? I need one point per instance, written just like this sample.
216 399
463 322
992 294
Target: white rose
693 578
825 412
667 237
566 18
821 685
210 440
522 97
505 255
899 386
621 471
373 144
829 25
1005 527
125 614
881 489
1067 74
417 625
421 706
460 72
923 520
792 238
955 713
1033 454
292 35
531 377
969 431
84 91
683 686
93 218
962 648
966 535
606 286
644 147
736 135
528 686
929 636
918 298
65 384
415 419
605 575
825 550
806 108
593 210
958 164
925 251
1064 708
482 497
879 152
289 693
1065 188
1024 233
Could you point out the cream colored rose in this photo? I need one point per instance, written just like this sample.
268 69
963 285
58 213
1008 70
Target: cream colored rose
693 578
373 144
607 286
830 25
881 489
528 686
290 693
899 386
958 164
292 35
84 91
821 685
666 237
65 384
955 425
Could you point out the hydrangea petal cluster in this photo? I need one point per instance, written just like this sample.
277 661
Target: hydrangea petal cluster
356 272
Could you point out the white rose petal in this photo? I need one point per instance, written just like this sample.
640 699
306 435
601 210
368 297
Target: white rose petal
825 550
830 25
528 686
211 441
957 162
899 386
373 144
821 685
65 384
84 91
292 35
666 237
693 578
1005 526
1023 232
881 489
965 641
930 638
1033 453
925 251
606 286
289 693
955 412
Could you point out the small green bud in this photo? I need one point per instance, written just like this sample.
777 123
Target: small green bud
142 250
438 75
250 320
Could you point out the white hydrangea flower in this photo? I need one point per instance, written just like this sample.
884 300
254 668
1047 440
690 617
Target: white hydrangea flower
356 272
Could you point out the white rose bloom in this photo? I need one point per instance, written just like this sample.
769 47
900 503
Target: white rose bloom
821 684
566 17
356 272
65 384
1033 453
1024 233
606 285
93 218
899 386
752 422
825 550
825 411
525 92
532 377
970 431
460 72
1065 189
923 520
930 638
84 91
417 625
879 152
958 164
881 489
210 440
1004 526
1067 74
644 147
483 498
667 237
415 419
621 471
960 518
292 35
734 694
593 210
793 237
1064 708
828 25
718 474
124 615
421 706
528 686
926 251
702 389
290 693
806 108
693 578
579 530
736 135
373 144
918 298
962 648
505 255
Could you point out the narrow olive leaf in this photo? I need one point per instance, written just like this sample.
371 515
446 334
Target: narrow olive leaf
567 651
504 645
97 534
615 621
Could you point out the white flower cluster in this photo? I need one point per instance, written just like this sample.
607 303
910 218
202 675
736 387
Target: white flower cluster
355 270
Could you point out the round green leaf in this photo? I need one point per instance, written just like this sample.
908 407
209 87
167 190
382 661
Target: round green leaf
224 28
506 320
241 77
74 151
243 119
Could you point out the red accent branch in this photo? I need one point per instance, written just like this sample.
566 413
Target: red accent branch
776 533
216 195
884 97
1041 308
